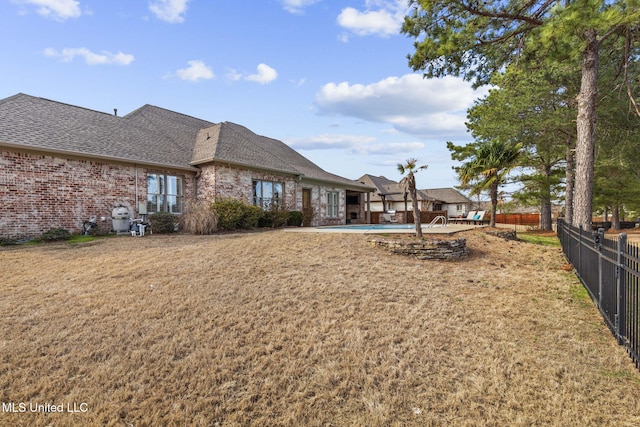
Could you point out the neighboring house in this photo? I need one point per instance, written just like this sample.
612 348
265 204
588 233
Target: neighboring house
389 196
451 200
61 164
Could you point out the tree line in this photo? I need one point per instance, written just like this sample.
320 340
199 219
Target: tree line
563 107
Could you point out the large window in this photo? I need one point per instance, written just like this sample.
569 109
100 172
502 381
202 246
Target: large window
267 194
165 193
333 202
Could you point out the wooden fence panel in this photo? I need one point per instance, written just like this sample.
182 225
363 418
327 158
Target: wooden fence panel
518 219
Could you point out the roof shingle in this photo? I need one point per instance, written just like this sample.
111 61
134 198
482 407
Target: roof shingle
148 135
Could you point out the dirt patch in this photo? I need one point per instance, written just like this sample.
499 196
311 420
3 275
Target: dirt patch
304 329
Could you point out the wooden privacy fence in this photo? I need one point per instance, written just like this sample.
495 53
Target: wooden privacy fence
608 269
518 219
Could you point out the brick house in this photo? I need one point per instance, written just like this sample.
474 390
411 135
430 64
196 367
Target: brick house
61 164
389 196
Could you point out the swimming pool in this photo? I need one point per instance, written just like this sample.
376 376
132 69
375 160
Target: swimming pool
380 227
373 227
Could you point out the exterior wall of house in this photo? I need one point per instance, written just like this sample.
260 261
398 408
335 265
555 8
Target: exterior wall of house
40 192
225 181
320 206
453 211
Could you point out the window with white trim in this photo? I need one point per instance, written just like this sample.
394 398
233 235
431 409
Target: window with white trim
165 193
333 202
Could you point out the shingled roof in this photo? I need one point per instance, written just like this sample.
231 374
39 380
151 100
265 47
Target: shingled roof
149 135
235 144
391 190
447 195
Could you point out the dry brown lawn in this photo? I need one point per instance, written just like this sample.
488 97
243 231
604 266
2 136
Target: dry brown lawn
289 329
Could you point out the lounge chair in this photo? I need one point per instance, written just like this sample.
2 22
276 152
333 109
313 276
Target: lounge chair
390 218
478 218
469 218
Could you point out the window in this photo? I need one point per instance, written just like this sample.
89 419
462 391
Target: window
333 201
165 193
267 194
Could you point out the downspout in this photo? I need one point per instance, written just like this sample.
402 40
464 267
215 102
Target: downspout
195 183
135 166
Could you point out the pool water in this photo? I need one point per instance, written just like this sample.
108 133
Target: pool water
377 227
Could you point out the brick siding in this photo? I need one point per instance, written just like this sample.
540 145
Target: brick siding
40 192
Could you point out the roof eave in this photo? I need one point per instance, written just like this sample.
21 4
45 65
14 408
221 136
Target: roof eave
354 187
199 163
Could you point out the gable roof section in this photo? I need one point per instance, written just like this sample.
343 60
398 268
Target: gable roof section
391 190
235 144
447 195
171 136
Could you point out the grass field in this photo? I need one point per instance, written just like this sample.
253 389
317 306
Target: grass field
290 329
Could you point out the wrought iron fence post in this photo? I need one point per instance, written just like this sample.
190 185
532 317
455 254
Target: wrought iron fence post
597 242
620 318
579 270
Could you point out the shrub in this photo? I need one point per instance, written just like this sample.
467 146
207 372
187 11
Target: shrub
275 217
295 219
55 234
252 215
163 222
199 218
307 216
234 214
6 241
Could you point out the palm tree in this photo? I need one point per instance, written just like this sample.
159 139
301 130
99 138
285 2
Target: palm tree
410 168
487 169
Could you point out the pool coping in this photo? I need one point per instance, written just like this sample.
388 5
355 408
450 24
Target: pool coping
449 229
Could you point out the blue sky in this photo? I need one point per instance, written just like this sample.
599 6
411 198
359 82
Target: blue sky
329 78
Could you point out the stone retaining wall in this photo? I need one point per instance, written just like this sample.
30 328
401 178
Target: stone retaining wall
450 250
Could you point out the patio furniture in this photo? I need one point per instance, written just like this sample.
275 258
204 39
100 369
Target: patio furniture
389 218
478 218
467 219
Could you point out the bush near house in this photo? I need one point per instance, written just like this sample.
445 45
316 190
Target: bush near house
55 234
199 218
234 214
163 222
295 219
275 217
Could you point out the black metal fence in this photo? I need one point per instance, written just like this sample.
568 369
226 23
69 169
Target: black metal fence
608 269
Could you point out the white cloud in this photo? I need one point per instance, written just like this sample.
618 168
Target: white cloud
91 58
233 75
197 70
264 75
355 144
411 104
383 18
296 6
169 10
55 9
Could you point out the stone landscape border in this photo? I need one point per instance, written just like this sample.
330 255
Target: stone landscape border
449 250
